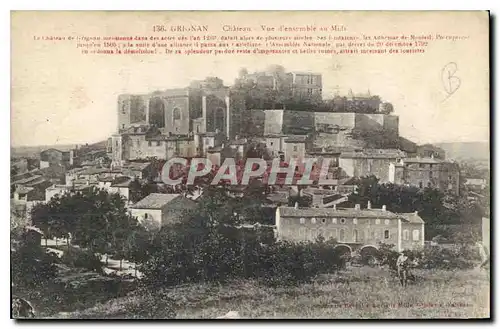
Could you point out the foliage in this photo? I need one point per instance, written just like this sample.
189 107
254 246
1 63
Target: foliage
94 219
31 266
432 205
83 259
208 245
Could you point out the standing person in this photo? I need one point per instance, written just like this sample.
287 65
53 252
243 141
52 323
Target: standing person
402 266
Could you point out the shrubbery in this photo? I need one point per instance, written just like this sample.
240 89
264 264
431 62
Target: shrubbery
439 257
83 259
224 253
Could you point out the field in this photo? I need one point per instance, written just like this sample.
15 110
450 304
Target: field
357 293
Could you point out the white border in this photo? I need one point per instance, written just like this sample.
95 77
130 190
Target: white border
186 5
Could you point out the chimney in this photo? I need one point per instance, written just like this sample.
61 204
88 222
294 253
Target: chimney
369 205
383 208
296 205
416 213
357 206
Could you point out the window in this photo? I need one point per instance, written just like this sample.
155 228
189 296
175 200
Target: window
295 148
197 129
302 232
386 234
354 220
149 143
123 126
386 222
176 114
334 233
342 221
416 235
355 235
430 174
145 216
138 143
334 220
406 235
341 234
271 143
420 165
313 234
302 220
313 220
323 220
420 184
377 221
124 109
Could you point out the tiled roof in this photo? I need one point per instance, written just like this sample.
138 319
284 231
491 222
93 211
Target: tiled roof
155 201
413 218
296 139
423 160
374 153
122 181
24 189
93 171
330 212
27 179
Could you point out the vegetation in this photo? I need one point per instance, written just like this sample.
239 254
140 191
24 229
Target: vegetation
438 210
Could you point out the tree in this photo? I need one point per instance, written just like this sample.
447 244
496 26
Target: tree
94 219
386 108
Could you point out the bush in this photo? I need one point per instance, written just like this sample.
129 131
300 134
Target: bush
226 254
82 259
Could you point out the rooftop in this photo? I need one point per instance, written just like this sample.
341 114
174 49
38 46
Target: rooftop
423 160
296 139
155 201
123 181
374 153
413 218
331 212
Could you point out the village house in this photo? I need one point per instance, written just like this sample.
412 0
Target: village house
426 172
353 228
61 190
157 210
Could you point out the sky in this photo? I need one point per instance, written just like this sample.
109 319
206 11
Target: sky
60 96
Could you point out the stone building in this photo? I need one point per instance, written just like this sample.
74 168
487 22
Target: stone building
157 210
426 172
353 229
359 163
175 122
54 157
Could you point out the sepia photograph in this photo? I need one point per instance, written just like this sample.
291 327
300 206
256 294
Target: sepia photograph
250 165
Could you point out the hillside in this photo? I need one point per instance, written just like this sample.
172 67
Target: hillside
34 151
466 150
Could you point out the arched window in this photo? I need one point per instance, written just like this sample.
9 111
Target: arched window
313 220
157 112
334 233
416 235
406 235
387 234
176 114
341 234
334 220
355 236
302 220
219 119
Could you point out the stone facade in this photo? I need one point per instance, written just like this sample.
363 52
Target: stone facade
426 172
356 228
